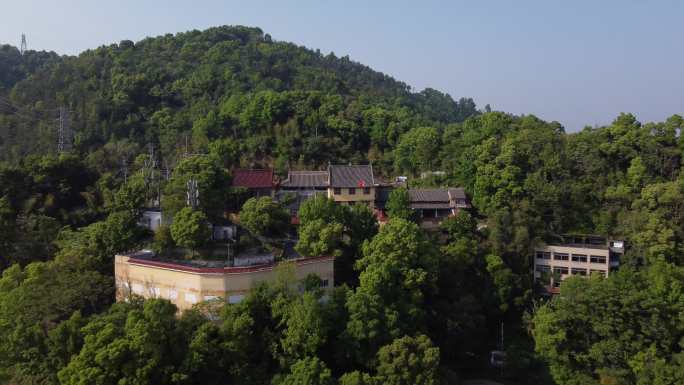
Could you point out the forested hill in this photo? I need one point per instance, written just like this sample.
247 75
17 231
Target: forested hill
283 102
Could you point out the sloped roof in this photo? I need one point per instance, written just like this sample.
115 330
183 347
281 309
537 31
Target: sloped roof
428 195
253 178
436 198
436 194
457 193
306 179
351 176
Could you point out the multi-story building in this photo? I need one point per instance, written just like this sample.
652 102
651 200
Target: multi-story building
186 283
352 184
575 255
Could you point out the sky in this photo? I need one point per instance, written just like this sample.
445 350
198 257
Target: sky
576 62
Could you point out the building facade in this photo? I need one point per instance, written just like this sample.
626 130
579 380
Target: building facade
352 184
575 255
185 284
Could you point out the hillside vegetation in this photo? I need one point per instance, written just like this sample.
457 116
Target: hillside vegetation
415 308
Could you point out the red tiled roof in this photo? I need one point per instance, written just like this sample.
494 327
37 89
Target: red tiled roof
253 178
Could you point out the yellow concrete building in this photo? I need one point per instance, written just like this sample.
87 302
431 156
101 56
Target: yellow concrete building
185 284
352 184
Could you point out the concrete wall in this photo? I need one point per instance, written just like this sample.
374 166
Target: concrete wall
185 288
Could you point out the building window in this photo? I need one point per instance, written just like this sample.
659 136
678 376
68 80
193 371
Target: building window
352 191
543 255
561 256
575 271
598 259
366 190
543 269
324 283
337 191
579 258
561 270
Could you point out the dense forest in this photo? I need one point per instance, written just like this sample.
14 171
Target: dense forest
410 309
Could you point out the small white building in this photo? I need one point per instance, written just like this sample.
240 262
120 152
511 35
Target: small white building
151 219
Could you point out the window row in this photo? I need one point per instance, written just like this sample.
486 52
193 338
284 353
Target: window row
351 191
562 270
567 257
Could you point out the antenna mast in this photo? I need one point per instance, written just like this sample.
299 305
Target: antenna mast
23 44
192 193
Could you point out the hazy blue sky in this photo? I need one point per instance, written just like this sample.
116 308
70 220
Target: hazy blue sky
577 62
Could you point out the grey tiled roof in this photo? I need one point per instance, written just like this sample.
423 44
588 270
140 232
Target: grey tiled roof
436 194
457 193
351 176
428 195
437 198
306 179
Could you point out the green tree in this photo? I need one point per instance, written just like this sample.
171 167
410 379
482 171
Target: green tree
306 328
33 302
264 216
190 228
357 378
212 185
407 361
399 204
398 272
307 371
137 344
321 208
318 238
416 150
96 244
594 321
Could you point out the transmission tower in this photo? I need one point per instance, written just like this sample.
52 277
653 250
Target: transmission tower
23 44
63 131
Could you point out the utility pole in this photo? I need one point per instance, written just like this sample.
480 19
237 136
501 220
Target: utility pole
23 44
